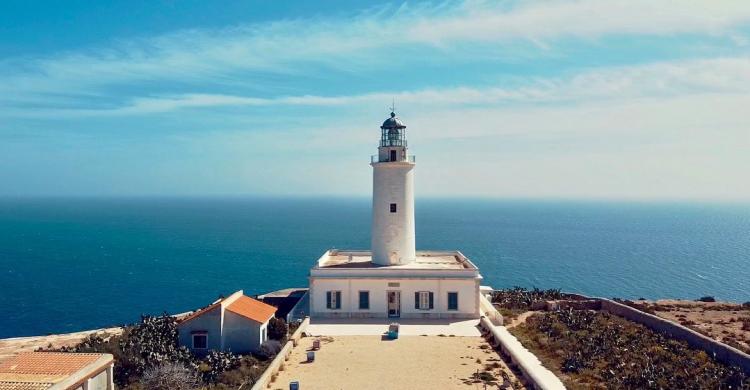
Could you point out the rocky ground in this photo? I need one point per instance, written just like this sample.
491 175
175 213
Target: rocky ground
722 321
9 347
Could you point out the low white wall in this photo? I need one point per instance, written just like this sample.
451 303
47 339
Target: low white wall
265 380
489 311
535 373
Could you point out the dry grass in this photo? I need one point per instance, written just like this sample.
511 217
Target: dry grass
722 321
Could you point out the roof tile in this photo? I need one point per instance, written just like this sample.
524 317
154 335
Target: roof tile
252 309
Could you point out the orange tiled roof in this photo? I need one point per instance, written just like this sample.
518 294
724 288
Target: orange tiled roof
47 363
41 370
24 385
252 309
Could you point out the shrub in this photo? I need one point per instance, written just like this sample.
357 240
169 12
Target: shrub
707 298
615 353
521 298
746 305
170 376
745 323
277 329
151 343
269 349
242 377
216 363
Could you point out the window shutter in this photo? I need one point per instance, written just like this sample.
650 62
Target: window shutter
328 299
338 299
416 300
432 301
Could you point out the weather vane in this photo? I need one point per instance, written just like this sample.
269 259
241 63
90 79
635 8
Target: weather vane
393 105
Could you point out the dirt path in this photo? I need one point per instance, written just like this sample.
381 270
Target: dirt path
520 319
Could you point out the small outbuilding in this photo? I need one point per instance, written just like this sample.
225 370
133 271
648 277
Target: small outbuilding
236 323
57 371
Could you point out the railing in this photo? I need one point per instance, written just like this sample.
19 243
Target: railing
393 142
376 159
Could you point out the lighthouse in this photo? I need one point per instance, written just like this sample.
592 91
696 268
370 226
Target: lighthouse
393 231
391 279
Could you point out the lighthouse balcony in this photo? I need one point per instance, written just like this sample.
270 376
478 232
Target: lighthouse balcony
380 159
427 263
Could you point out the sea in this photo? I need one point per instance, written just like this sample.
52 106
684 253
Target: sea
83 263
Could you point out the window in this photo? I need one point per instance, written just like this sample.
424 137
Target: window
452 301
333 300
394 207
423 300
364 300
200 341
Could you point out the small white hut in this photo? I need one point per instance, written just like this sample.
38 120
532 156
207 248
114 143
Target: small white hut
236 323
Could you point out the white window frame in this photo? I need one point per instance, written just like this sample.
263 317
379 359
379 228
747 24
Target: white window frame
204 335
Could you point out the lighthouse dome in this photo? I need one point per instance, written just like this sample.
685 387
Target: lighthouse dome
393 123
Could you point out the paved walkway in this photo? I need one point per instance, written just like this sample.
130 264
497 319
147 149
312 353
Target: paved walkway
409 327
413 362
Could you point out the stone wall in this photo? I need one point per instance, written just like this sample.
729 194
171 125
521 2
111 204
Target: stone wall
720 351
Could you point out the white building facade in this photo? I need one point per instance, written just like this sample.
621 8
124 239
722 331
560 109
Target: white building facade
393 279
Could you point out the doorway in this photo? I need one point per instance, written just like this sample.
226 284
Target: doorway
394 304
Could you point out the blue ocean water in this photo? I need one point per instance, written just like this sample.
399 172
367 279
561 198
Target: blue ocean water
74 264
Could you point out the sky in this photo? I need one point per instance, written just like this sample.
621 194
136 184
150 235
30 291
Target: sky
579 99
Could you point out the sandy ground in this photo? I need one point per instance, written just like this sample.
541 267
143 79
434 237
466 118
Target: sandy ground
10 347
721 321
411 362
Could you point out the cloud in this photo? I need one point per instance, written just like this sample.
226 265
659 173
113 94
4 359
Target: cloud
662 79
386 37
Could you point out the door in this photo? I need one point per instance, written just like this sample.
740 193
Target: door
394 303
393 155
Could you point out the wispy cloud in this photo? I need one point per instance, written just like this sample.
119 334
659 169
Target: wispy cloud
369 40
664 79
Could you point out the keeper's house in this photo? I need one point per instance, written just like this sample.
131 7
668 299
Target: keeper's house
236 323
393 279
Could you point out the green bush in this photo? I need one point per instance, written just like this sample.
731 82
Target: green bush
521 298
707 298
618 354
277 329
148 356
216 363
269 349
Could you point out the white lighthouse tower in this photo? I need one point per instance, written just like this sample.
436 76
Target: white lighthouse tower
393 231
392 280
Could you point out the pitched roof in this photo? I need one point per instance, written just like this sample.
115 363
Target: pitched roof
41 370
201 312
24 385
252 309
